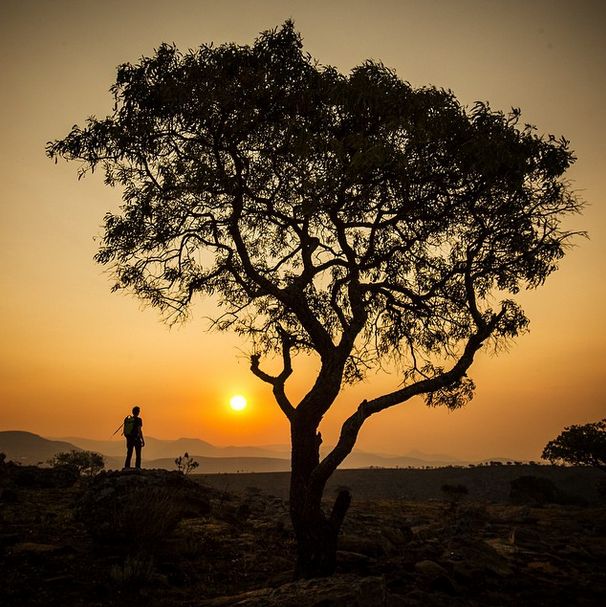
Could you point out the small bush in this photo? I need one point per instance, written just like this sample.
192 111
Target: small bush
533 490
135 572
88 463
454 492
186 464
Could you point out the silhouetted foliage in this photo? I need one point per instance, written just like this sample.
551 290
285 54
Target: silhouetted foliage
534 490
349 216
454 491
185 463
580 445
88 463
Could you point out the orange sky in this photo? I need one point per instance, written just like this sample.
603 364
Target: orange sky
74 358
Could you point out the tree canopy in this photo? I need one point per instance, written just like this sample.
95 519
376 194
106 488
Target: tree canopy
350 216
579 445
346 209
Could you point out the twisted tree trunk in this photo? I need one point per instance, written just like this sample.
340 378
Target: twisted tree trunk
316 532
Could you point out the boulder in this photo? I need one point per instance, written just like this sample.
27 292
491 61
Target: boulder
430 569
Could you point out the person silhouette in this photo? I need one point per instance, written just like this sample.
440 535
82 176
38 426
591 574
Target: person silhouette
133 432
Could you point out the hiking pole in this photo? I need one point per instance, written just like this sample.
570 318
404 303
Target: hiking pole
118 428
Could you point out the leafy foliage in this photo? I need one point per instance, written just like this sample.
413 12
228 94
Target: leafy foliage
341 208
88 463
583 445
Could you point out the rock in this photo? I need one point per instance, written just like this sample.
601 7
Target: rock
430 569
335 591
501 546
353 561
370 546
518 515
543 567
473 559
423 532
35 548
244 598
59 579
434 576
524 537
397 536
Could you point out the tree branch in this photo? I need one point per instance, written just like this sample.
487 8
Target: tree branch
352 425
278 382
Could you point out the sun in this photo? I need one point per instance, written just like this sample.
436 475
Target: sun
237 402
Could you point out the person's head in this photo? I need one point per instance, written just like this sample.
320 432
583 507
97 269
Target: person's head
136 411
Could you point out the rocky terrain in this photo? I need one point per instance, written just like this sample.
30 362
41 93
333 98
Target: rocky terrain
158 538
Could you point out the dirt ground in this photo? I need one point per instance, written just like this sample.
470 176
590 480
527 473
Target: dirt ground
194 545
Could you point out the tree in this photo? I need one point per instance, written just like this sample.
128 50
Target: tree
582 445
85 462
349 217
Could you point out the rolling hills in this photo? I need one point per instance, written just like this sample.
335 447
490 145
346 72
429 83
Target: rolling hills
30 448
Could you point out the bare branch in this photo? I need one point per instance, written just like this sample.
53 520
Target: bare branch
278 382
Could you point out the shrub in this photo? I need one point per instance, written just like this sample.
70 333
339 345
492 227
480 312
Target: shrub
455 491
185 463
88 463
533 490
136 571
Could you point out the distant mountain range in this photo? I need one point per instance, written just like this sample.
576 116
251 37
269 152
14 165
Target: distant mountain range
29 448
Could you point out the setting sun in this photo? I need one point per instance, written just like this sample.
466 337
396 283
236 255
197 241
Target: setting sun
237 403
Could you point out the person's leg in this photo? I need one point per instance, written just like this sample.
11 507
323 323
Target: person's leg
129 453
138 455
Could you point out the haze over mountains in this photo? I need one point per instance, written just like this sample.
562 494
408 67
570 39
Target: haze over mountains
29 448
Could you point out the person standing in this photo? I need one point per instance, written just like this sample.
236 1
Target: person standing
133 432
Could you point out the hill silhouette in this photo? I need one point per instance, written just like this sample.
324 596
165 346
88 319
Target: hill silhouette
29 448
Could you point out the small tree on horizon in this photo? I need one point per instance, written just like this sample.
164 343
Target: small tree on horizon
579 445
349 217
88 463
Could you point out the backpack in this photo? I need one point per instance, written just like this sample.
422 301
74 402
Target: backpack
130 425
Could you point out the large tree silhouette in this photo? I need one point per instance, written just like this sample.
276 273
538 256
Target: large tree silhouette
352 217
579 445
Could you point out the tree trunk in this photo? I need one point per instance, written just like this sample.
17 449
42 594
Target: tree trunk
316 533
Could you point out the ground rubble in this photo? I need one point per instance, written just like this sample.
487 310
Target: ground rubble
160 538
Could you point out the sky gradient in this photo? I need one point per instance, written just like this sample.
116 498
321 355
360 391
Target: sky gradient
75 358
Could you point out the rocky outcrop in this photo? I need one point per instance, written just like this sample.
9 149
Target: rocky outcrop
139 507
34 477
